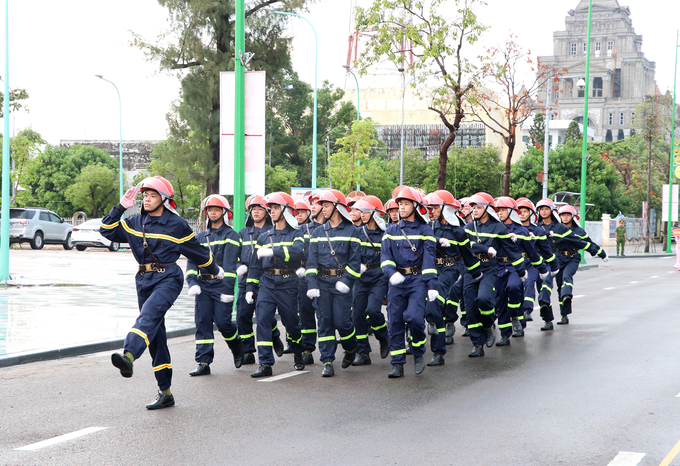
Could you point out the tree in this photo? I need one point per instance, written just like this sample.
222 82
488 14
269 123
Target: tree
573 133
16 98
348 164
95 190
516 102
421 30
537 131
279 179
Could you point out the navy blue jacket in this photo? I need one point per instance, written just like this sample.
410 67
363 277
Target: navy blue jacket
248 237
543 246
346 243
397 252
370 253
460 245
525 243
224 243
287 245
564 239
494 234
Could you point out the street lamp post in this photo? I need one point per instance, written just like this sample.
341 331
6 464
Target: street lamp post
120 145
4 205
358 112
584 146
674 147
316 59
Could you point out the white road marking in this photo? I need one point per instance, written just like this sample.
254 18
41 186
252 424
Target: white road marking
283 376
671 271
61 438
666 258
678 395
610 288
654 276
634 282
579 296
626 458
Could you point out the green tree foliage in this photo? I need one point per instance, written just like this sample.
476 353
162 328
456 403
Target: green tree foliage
537 131
573 134
16 99
95 190
279 179
348 164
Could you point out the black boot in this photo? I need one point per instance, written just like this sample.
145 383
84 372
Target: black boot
564 321
419 364
466 333
307 358
432 329
162 401
517 330
490 336
362 360
123 363
384 348
547 326
348 359
202 369
237 352
396 372
328 370
262 371
248 358
504 341
299 362
527 316
477 352
287 349
278 346
448 340
450 330
437 360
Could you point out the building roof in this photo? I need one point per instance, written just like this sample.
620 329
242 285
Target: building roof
583 4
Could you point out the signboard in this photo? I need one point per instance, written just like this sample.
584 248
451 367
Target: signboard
664 204
255 131
677 172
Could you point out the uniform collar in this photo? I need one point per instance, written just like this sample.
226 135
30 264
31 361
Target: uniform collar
163 219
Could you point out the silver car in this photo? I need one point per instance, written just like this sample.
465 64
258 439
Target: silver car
38 227
87 235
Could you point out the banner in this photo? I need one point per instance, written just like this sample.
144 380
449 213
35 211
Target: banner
664 203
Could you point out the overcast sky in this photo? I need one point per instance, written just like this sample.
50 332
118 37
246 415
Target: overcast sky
56 48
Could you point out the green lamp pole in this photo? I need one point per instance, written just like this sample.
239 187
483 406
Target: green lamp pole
675 146
358 106
239 120
4 206
584 147
120 144
316 59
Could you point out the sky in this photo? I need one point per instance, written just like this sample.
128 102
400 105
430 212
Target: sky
57 47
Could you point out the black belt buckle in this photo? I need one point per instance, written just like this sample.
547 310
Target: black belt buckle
483 257
286 275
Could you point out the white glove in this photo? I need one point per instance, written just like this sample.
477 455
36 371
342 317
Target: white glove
554 273
242 270
605 258
313 293
194 290
460 277
551 234
220 273
342 288
532 235
543 275
362 269
432 295
480 277
128 200
397 278
523 276
264 252
227 298
513 237
492 252
249 297
443 242
300 272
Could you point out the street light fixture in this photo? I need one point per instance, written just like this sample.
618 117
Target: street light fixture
120 145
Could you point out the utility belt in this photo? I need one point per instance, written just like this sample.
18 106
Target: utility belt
328 273
447 261
154 267
503 260
284 273
409 270
207 276
375 265
484 257
525 255
567 253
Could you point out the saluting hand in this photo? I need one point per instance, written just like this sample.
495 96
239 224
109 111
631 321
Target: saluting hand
128 199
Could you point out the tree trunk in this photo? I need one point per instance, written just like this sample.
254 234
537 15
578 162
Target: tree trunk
508 162
649 186
450 139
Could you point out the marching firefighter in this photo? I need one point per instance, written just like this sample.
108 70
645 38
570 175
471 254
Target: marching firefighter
371 288
408 254
354 214
272 275
258 221
333 264
392 211
565 278
490 239
454 256
156 237
214 297
566 245
317 217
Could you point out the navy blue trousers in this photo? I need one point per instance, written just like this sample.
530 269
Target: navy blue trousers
530 291
368 299
435 311
334 312
208 310
565 281
544 297
307 317
244 320
268 300
480 301
509 297
406 305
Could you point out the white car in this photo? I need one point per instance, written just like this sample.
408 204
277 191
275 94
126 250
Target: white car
86 235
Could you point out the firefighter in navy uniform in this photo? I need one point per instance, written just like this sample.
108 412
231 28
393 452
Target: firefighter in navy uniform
354 214
272 273
156 237
258 221
490 239
465 215
214 297
565 245
333 264
408 256
454 256
565 278
528 216
392 211
371 288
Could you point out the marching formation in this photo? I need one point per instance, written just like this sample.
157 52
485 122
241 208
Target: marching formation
329 263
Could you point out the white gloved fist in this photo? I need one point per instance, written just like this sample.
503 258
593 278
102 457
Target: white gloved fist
128 199
524 276
553 273
543 275
194 290
362 269
397 278
249 297
342 288
313 293
264 252
227 298
513 237
480 277
551 234
242 270
220 273
605 258
432 295
492 252
443 242
532 235
300 272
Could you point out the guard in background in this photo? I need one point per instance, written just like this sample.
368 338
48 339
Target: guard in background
214 297
370 289
620 238
258 221
272 272
333 264
408 254
157 237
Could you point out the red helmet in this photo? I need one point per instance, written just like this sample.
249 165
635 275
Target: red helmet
336 198
161 186
302 205
391 204
465 201
396 191
354 196
482 199
545 202
411 194
282 199
507 202
254 201
448 198
370 204
526 203
568 209
215 200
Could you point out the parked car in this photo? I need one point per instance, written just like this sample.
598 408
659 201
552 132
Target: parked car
38 227
86 235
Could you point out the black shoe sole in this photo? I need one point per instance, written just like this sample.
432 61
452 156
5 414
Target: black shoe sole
198 374
161 406
118 360
547 329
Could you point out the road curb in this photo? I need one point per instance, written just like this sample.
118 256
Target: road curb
587 266
27 358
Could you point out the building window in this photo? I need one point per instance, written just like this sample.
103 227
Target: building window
585 48
617 83
621 119
608 137
611 118
582 92
598 48
610 48
597 87
573 49
620 136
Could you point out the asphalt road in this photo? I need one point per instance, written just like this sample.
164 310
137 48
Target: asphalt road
585 394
